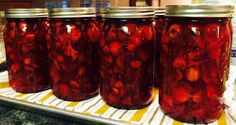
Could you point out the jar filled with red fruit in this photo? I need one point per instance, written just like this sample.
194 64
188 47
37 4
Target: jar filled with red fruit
195 52
159 24
128 57
26 49
73 53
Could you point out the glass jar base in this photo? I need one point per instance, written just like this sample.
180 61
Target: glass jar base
192 120
126 107
76 97
30 89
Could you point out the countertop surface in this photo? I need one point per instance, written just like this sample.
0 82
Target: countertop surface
13 116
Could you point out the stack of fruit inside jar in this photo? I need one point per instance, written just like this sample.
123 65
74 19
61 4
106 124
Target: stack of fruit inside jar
182 50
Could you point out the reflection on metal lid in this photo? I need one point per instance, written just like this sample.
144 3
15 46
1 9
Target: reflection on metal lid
129 12
199 10
72 12
26 13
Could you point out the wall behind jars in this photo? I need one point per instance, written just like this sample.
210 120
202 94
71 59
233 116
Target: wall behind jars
15 4
76 3
2 50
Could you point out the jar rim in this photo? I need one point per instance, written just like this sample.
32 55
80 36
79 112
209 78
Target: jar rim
160 11
26 13
72 12
198 10
129 12
99 11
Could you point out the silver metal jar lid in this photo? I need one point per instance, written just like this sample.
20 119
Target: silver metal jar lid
72 12
26 13
199 10
129 12
160 11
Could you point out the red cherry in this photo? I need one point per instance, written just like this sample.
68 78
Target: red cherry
143 55
54 75
81 71
111 33
28 68
213 92
118 84
27 61
75 35
175 30
75 84
179 111
179 75
56 65
211 32
112 99
136 64
64 90
167 103
132 28
60 59
165 48
109 59
215 53
120 61
15 68
179 63
12 56
115 91
101 72
147 33
134 40
131 47
16 84
194 55
199 113
121 35
30 37
58 24
115 48
93 33
25 49
12 24
23 26
122 92
48 37
210 75
180 94
192 74
197 96
127 101
69 51
102 42
12 34
106 49
214 109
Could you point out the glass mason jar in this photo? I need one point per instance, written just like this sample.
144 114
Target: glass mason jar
194 58
159 24
73 53
128 57
26 49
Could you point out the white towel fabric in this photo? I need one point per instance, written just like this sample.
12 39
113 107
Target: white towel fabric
230 92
